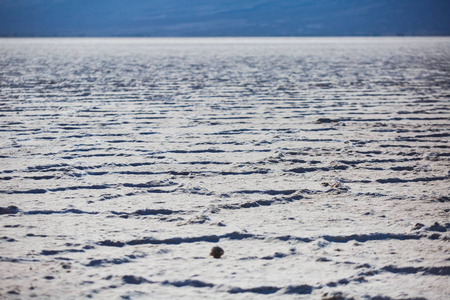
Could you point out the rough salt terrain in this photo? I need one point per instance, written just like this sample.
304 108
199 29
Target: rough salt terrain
320 166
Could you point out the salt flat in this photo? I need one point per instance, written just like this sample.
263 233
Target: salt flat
320 166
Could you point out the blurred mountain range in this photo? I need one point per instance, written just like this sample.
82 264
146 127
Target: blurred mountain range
224 17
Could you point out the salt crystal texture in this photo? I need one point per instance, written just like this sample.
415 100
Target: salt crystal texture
320 165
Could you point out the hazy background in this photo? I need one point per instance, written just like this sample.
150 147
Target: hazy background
224 17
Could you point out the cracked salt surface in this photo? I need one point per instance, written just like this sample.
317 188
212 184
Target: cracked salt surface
319 166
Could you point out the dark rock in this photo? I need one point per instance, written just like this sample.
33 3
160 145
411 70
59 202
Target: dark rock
216 252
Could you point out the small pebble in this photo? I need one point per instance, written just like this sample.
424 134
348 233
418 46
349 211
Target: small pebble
216 252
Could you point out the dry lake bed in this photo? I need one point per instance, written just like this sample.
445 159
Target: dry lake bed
321 166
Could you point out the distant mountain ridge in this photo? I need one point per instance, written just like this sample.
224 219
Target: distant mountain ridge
224 17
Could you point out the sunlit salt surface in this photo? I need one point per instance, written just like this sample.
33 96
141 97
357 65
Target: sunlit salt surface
319 165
